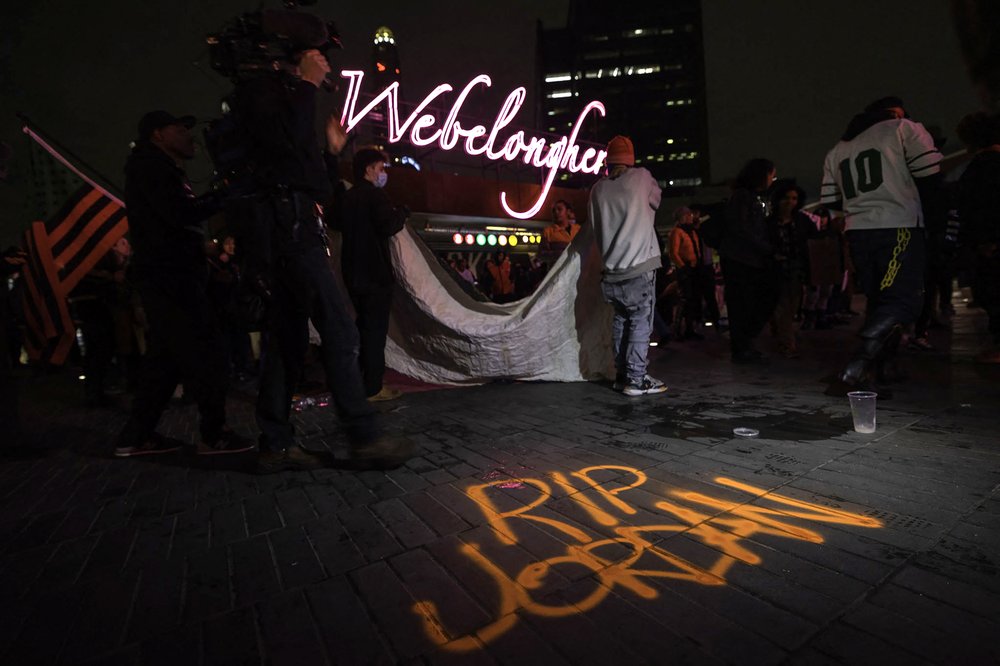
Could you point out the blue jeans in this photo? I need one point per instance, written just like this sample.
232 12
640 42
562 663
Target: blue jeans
633 302
304 289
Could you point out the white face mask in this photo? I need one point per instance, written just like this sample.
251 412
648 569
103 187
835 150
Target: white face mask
381 179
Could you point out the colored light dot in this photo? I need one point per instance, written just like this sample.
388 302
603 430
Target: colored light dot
502 240
481 239
469 239
491 239
513 240
457 239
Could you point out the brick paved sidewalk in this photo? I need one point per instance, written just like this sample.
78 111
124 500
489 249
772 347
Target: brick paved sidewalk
540 523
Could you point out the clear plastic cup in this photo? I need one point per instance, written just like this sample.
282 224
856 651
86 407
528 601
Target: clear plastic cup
863 410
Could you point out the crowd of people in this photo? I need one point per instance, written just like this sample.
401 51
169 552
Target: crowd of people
185 306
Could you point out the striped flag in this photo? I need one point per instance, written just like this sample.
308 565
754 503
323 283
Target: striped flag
60 252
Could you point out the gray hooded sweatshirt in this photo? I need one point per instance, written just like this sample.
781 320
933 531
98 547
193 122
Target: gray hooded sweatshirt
622 211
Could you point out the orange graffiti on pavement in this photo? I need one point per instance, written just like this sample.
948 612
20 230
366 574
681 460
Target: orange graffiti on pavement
614 561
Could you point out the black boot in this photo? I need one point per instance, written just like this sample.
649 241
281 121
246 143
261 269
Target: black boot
874 338
809 321
887 368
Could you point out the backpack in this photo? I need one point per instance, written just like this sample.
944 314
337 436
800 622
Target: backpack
713 224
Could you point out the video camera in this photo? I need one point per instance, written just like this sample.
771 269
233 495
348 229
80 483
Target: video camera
250 45
262 41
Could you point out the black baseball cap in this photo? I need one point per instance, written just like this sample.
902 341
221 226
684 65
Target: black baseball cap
155 120
885 103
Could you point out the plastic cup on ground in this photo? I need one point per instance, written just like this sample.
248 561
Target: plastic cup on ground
863 410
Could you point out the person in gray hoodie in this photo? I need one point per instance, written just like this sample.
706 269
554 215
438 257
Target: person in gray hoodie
622 206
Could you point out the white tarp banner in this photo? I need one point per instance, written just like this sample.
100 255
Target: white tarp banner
440 334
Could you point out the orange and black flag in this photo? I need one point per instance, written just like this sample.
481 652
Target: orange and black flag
60 252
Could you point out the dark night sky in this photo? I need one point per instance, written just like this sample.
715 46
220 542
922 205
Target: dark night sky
783 76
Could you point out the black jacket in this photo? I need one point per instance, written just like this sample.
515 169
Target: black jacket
277 116
979 200
747 239
165 217
367 220
793 262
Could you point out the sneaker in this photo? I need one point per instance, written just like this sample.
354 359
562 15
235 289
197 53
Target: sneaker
386 452
153 445
228 442
292 458
647 386
385 394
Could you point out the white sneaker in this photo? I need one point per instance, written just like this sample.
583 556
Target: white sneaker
647 386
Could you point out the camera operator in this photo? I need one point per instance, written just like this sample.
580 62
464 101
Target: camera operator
289 262
171 274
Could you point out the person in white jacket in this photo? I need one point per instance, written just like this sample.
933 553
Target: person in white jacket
622 206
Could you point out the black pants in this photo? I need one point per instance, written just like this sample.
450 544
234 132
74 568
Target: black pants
185 345
305 289
890 269
987 291
98 327
691 296
751 295
705 285
10 421
372 308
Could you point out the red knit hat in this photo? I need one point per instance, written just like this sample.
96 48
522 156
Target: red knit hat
620 151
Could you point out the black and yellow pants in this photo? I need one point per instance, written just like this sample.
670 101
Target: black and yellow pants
890 268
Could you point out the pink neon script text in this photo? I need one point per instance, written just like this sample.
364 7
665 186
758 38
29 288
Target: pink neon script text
424 129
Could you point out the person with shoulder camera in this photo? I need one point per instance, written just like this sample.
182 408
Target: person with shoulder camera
185 341
276 112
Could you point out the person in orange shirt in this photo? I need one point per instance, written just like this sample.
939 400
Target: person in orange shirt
685 254
502 290
563 229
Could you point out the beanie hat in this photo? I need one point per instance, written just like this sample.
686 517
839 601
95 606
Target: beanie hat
620 151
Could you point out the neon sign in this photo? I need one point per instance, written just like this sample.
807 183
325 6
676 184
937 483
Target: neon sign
425 129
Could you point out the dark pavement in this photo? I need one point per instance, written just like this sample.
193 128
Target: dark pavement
539 523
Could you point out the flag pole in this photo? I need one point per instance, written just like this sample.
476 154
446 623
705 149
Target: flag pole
53 148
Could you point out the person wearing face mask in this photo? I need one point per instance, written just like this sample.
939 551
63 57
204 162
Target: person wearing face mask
368 220
168 264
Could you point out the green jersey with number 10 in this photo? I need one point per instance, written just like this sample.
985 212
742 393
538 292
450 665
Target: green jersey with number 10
873 175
